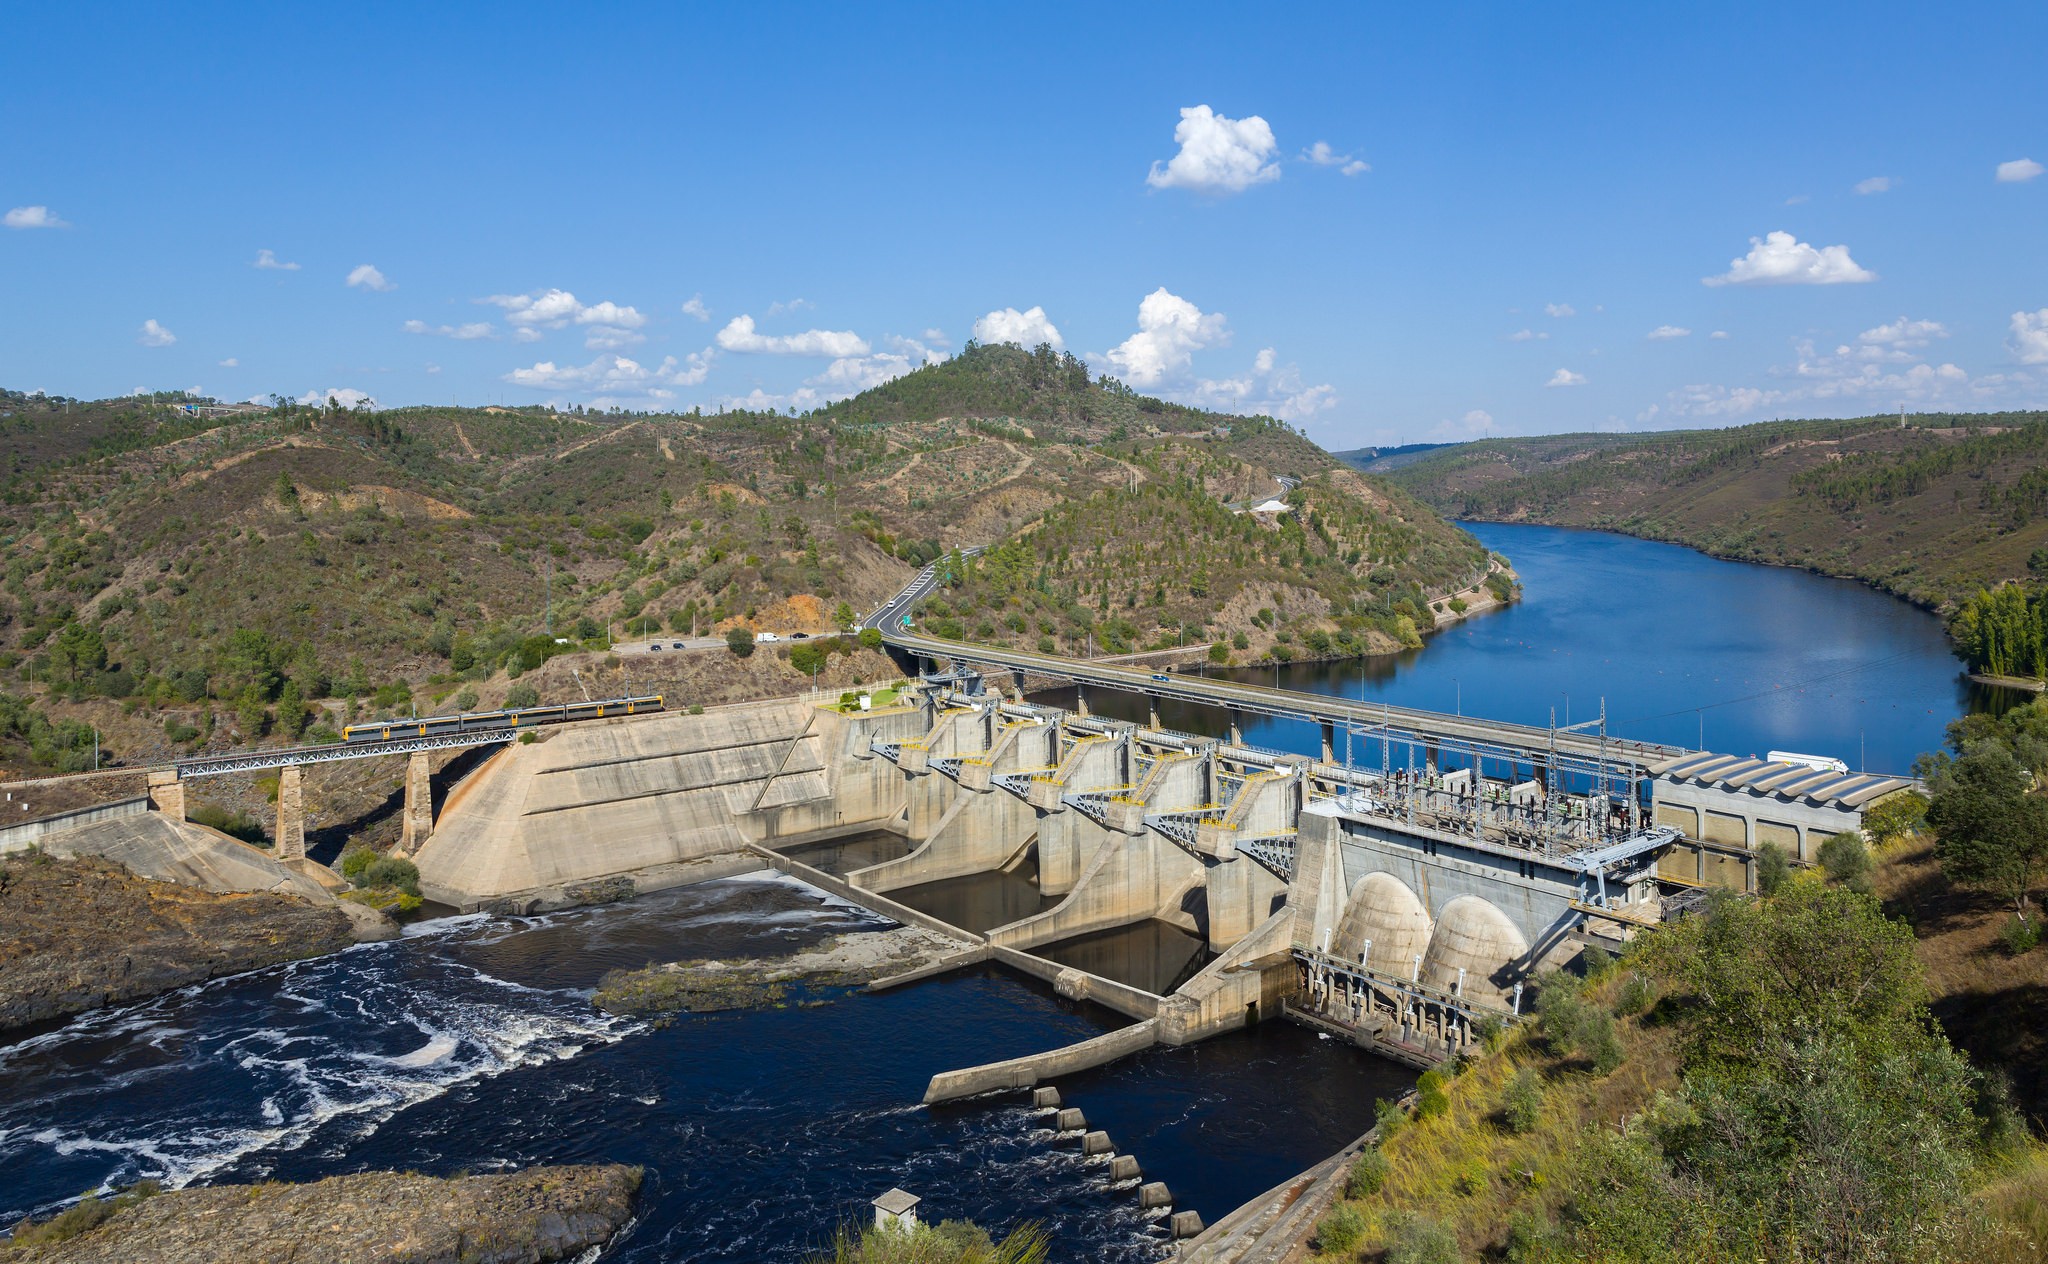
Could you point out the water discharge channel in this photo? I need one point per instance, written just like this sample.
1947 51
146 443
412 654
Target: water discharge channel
472 1044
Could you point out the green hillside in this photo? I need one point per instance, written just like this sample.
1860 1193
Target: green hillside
225 574
1935 511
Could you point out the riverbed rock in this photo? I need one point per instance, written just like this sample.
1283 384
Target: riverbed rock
700 987
529 1217
80 933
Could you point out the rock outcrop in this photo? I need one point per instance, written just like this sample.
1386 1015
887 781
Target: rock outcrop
81 933
541 1214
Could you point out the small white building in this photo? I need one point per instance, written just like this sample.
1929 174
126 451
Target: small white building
896 1209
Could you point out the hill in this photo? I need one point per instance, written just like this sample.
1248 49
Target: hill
1387 460
1934 511
183 582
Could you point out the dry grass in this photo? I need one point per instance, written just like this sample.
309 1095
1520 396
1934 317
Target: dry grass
1994 1006
1466 1170
2017 1200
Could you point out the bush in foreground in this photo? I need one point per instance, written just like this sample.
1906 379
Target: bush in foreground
948 1242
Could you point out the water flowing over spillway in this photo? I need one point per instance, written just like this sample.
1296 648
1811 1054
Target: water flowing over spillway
472 1045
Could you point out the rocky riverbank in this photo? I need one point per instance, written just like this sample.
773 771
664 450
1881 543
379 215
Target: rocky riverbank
701 987
81 933
541 1214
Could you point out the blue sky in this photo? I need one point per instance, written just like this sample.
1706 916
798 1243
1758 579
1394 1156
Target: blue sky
675 207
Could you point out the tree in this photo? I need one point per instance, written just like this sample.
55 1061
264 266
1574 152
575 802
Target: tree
1895 816
521 695
843 616
740 641
1847 860
871 638
78 652
1992 833
249 712
1812 961
1773 868
292 712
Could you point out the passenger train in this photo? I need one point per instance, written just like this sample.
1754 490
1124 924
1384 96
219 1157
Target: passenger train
475 721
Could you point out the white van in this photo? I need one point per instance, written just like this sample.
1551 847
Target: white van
766 637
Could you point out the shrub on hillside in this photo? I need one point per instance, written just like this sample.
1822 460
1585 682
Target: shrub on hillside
1848 861
390 871
1417 1239
1522 1105
1368 1173
521 695
740 641
234 824
1338 1233
1773 868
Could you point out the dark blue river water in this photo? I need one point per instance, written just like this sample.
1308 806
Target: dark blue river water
1686 649
472 1045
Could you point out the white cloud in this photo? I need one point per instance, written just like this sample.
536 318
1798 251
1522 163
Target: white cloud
853 375
1217 155
1662 332
937 336
793 305
40 217
1526 335
914 349
1903 333
760 401
528 314
2030 336
231 363
1322 155
1026 329
1559 309
348 396
611 337
739 335
155 335
1876 184
1875 373
1781 259
1170 330
433 369
1476 424
2018 171
1565 377
615 373
369 278
462 333
695 307
1718 333
1794 200
266 260
1272 388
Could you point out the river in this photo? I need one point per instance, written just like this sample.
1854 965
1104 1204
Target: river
472 1045
1684 648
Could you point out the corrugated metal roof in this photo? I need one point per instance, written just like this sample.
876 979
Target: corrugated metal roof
1795 781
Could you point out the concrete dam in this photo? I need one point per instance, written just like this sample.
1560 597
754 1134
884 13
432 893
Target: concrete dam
1397 897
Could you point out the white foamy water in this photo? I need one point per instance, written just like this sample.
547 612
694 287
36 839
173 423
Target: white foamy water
343 1041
